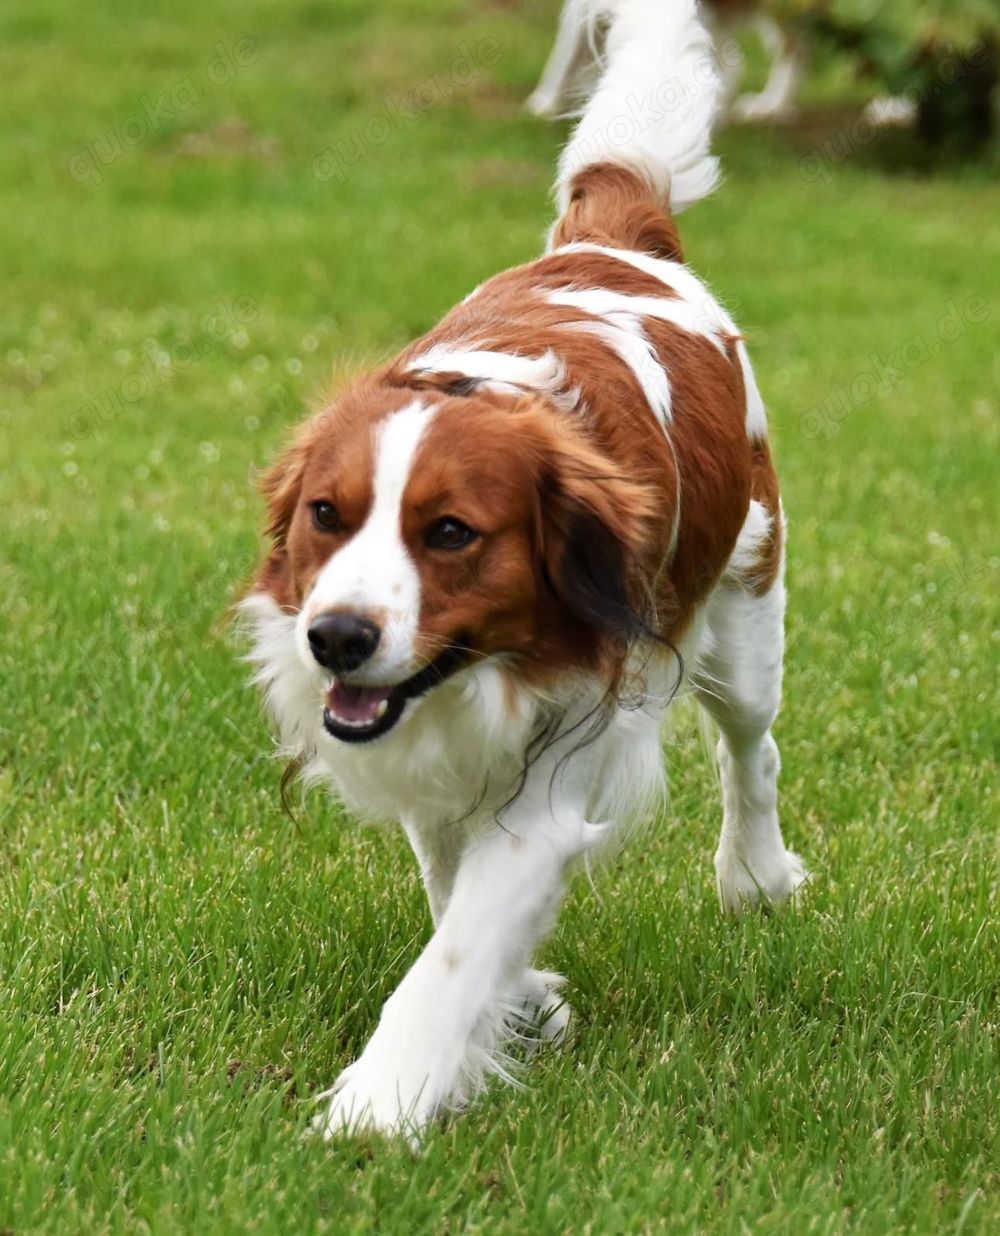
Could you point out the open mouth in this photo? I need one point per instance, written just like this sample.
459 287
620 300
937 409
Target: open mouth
359 714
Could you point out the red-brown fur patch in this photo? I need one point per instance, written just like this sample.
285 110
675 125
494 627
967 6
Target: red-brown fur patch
613 205
708 432
506 592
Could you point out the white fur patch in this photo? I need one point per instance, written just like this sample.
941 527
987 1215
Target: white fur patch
655 102
612 305
293 689
373 572
507 372
708 317
623 334
750 544
756 414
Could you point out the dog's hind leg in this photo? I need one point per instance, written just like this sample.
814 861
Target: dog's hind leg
738 681
790 57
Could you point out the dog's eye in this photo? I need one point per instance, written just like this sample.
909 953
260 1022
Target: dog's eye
326 517
448 533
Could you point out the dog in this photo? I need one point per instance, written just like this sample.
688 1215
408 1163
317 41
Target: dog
575 55
782 30
495 560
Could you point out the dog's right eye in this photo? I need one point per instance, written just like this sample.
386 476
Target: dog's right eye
326 517
449 533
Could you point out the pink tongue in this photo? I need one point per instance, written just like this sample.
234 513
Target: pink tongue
356 704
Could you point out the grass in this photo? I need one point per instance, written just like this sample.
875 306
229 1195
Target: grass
181 967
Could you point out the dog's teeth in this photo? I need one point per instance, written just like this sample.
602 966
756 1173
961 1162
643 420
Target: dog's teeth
382 709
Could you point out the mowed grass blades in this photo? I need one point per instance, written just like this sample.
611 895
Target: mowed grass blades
188 252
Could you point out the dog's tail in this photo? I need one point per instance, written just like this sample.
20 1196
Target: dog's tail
649 117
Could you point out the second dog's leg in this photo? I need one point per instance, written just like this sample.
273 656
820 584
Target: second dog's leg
777 101
731 57
570 56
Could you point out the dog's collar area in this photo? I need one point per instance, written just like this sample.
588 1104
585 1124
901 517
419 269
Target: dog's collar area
360 714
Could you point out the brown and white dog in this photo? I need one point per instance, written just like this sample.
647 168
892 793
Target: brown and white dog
497 559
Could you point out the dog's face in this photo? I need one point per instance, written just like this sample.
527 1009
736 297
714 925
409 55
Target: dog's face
415 533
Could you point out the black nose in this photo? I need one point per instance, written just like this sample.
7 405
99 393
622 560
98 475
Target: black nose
342 642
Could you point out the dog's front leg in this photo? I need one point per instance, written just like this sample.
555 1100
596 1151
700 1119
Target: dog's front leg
438 1031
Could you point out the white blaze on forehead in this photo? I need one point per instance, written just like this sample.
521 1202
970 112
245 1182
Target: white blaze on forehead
374 573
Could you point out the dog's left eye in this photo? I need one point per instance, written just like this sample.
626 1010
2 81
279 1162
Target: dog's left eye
449 533
326 517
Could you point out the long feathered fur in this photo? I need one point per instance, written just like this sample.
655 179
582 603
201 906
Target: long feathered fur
655 101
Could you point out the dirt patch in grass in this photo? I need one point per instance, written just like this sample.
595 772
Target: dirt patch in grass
228 139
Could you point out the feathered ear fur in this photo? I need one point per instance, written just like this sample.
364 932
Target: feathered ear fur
281 486
593 533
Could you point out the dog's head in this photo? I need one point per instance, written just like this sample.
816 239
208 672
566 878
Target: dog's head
415 533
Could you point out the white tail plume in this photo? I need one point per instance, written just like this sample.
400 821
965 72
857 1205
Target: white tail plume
655 101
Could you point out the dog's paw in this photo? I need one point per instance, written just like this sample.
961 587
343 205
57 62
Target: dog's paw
752 108
541 1005
373 1098
547 103
890 111
410 1070
764 881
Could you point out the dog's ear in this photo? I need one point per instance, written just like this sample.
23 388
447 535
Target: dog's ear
594 534
281 486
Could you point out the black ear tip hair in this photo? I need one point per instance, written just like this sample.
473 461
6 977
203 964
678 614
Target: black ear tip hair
592 581
462 387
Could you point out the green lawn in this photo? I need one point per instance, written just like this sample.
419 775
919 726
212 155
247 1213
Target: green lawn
182 966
